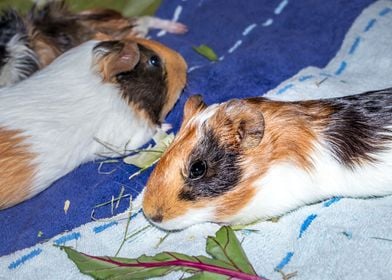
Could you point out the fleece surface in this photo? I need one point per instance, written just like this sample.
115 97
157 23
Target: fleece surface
264 46
260 44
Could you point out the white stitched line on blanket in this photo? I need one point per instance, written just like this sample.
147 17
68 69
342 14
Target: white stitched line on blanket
176 16
281 7
72 236
248 29
246 32
268 22
25 258
235 46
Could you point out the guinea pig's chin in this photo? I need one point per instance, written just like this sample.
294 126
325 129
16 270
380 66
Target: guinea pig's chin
192 217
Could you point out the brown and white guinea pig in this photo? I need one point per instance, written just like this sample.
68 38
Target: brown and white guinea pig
251 159
29 43
116 91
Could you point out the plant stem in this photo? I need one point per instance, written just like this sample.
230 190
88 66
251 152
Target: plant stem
184 263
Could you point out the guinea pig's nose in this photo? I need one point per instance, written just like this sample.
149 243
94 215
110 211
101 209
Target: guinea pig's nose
157 218
154 214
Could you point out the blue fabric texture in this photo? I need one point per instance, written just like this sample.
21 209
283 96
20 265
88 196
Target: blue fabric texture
260 44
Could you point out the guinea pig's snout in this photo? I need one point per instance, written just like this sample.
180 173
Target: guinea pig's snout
155 216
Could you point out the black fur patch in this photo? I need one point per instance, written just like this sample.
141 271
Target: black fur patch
358 126
11 25
223 171
59 25
145 85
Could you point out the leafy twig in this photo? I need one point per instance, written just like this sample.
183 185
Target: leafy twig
126 227
227 261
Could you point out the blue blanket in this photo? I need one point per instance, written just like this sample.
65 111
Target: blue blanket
260 44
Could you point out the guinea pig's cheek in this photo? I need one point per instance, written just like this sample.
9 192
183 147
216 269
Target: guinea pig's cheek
230 205
191 217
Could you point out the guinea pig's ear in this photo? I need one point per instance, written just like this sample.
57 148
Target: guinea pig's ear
247 121
193 105
115 57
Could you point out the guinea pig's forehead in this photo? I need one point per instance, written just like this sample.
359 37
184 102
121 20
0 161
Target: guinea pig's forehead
202 118
146 51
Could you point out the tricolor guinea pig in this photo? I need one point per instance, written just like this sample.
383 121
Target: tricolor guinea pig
251 159
29 43
116 91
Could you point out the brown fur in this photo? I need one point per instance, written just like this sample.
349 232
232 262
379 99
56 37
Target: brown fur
45 50
162 200
175 66
266 132
17 172
289 135
123 56
77 27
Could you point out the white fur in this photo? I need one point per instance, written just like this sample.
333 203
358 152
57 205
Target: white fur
16 68
62 108
286 186
191 217
199 119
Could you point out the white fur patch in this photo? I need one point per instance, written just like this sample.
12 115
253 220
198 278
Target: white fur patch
286 186
191 217
62 108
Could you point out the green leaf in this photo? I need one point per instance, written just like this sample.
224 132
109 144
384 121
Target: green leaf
20 5
147 157
207 276
129 8
206 51
141 7
226 247
155 266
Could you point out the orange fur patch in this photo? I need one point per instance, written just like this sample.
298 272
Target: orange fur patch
290 132
106 21
46 51
17 172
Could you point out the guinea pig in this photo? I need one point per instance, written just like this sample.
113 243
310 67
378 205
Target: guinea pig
253 159
117 91
29 43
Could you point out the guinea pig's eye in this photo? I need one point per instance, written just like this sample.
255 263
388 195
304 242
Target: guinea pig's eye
154 61
197 170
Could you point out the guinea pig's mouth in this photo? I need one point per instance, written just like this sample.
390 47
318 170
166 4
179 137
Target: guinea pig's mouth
190 218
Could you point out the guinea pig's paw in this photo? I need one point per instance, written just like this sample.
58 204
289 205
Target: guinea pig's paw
143 24
175 27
